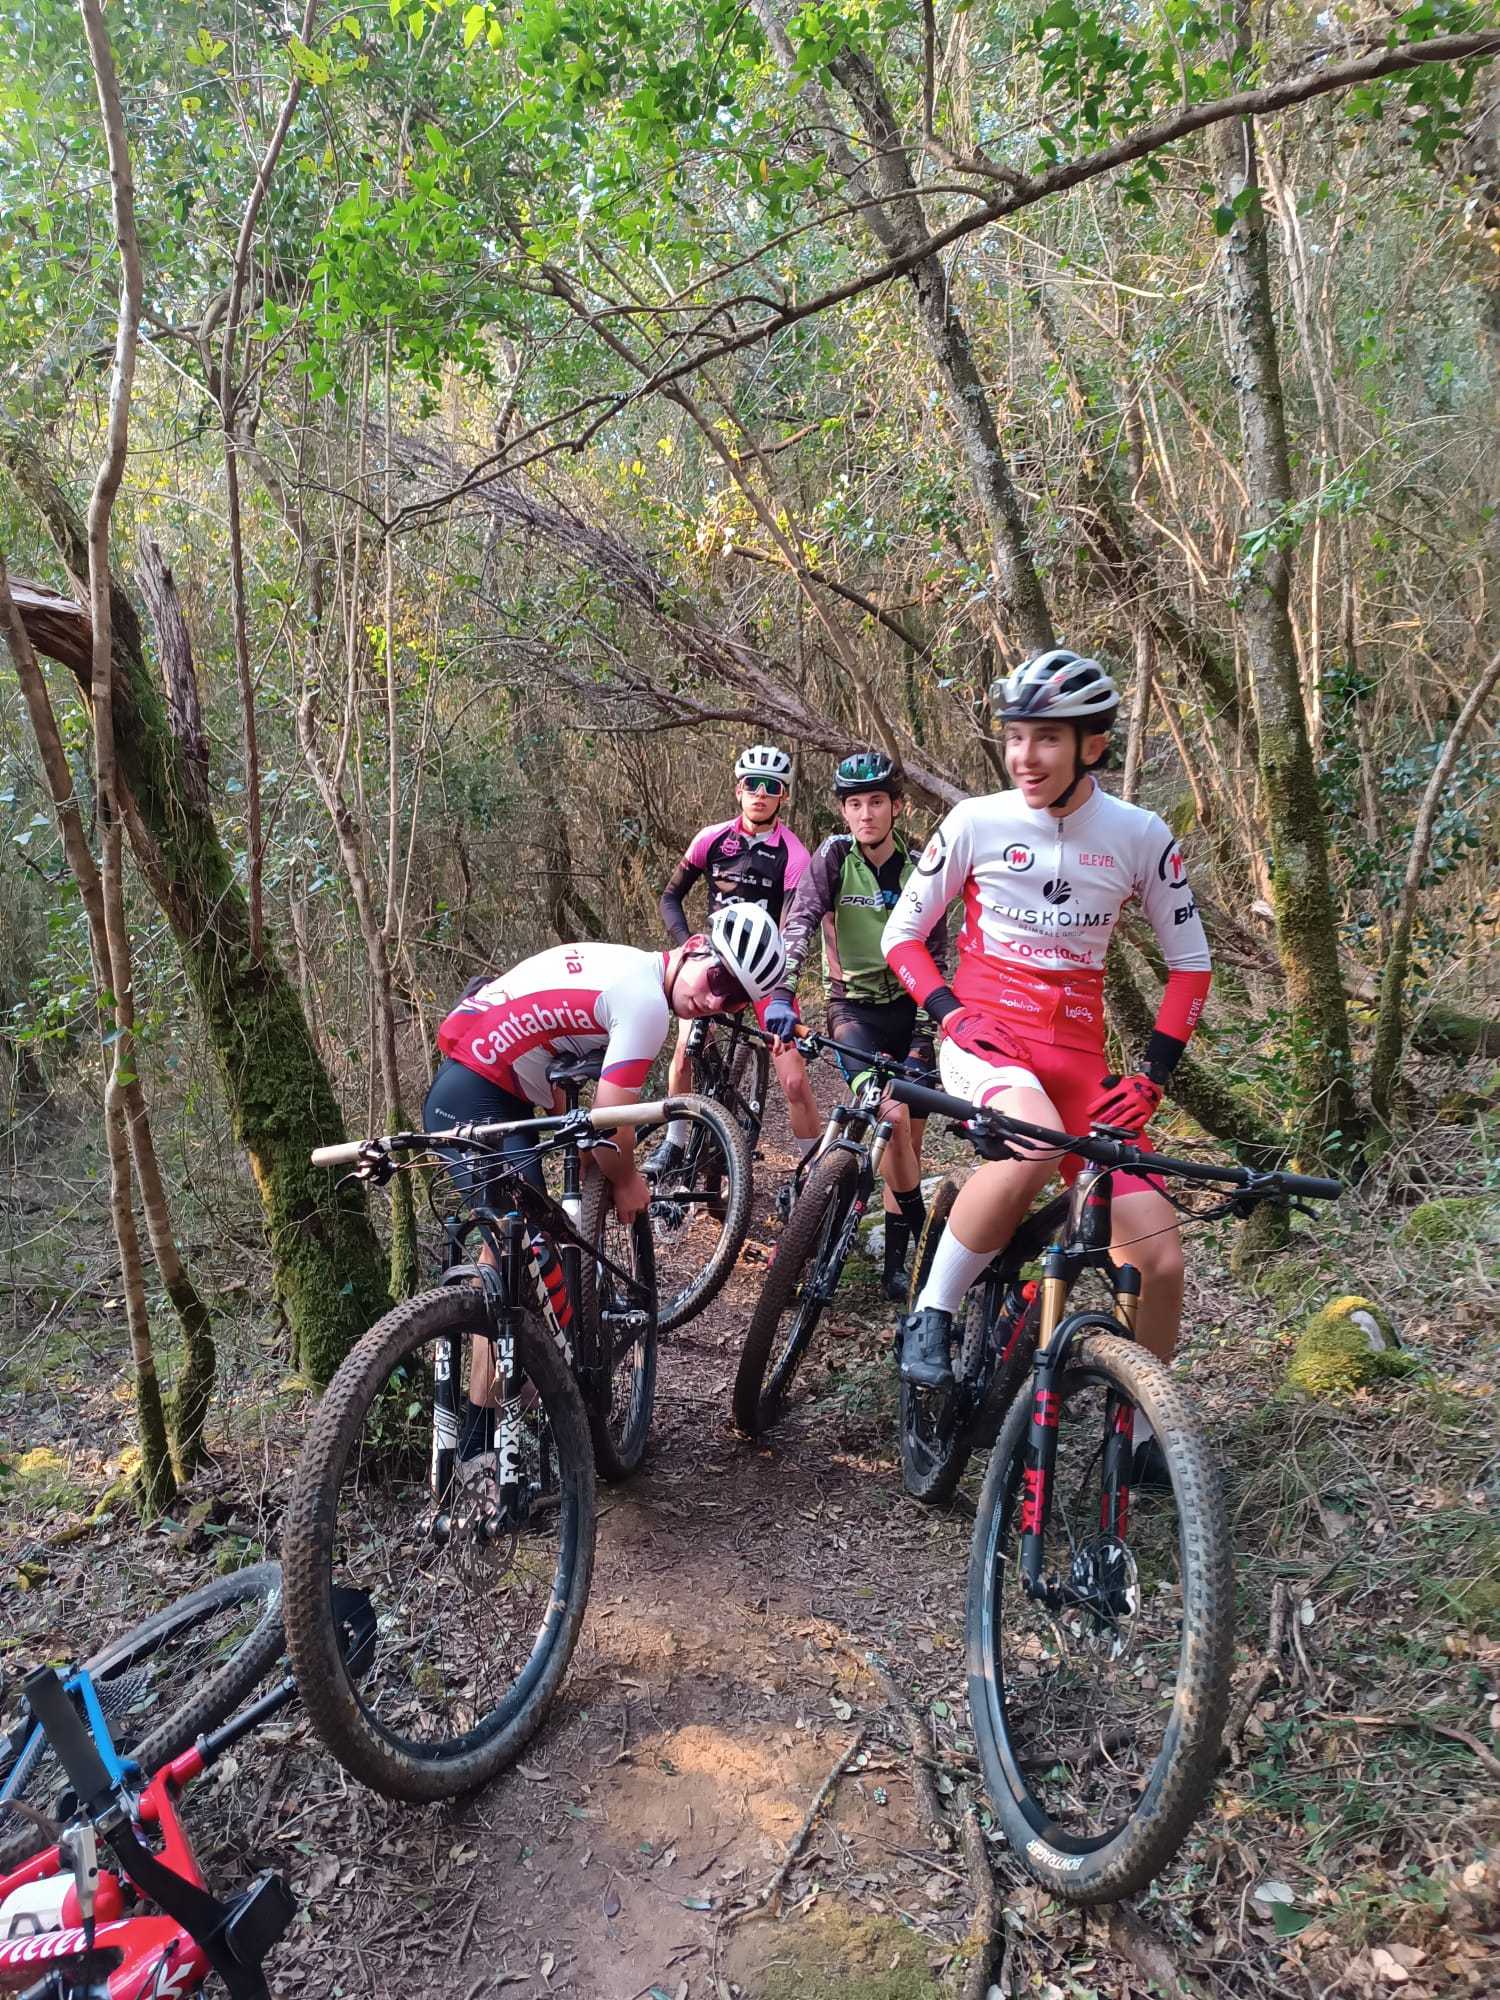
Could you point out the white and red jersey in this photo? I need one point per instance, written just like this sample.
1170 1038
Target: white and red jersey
571 1000
1041 897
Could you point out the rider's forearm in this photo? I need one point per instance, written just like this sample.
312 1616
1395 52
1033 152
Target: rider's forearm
616 1161
672 913
1176 1018
917 969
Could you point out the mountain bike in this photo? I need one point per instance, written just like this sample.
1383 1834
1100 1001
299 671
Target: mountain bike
1099 1622
145 1927
156 1686
731 1065
831 1193
700 1209
478 1566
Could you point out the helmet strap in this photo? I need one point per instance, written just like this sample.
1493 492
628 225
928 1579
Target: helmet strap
1080 772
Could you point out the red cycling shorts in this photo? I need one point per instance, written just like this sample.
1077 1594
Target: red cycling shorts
1069 1078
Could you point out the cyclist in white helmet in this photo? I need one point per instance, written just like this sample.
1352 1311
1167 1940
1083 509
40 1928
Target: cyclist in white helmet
578 999
1042 873
752 858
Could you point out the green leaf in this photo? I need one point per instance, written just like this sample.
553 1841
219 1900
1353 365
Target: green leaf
1288 1920
474 24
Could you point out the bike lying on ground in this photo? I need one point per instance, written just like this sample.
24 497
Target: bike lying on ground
146 1927
1099 1621
479 1568
830 1196
157 1686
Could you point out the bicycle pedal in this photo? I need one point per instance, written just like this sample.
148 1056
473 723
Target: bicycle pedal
259 1919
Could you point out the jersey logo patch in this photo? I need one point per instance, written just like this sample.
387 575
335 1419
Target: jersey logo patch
1057 891
933 854
1018 857
1170 868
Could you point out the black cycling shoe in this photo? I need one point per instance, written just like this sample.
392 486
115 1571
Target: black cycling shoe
785 1200
667 1158
896 1285
1148 1468
925 1340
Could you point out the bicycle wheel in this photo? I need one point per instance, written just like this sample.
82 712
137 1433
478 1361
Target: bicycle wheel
743 1090
617 1333
1099 1728
934 1443
478 1600
700 1211
798 1286
161 1685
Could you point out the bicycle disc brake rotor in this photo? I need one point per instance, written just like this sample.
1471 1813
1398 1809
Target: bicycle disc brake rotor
1105 1587
484 1525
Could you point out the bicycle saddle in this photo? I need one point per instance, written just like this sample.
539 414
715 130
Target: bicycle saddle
576 1069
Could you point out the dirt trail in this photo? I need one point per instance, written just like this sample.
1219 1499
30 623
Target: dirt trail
720 1676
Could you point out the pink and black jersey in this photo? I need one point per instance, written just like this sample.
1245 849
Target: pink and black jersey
572 1000
741 868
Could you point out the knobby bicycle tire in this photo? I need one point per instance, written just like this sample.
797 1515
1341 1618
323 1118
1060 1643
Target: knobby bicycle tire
203 1704
619 1446
343 1712
739 1085
934 1449
1082 1869
735 1196
811 1227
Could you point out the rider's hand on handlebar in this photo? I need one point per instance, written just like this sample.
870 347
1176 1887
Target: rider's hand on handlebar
782 1022
1128 1103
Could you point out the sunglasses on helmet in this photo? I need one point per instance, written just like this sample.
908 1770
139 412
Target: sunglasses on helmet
771 787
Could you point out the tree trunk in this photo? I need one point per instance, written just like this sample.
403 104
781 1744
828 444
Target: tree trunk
897 223
325 1256
194 1390
157 1481
1385 1064
1306 918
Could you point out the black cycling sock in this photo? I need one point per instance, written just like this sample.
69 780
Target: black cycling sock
473 1430
913 1211
897 1238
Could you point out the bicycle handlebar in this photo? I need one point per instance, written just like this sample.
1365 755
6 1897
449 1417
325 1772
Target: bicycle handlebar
601 1118
1106 1152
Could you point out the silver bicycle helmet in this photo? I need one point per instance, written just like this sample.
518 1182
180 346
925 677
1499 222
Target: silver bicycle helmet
744 939
1058 684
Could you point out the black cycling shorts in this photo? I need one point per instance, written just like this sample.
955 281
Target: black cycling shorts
886 1028
461 1097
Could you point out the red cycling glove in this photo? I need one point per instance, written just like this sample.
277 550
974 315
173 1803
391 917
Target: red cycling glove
1126 1102
978 1035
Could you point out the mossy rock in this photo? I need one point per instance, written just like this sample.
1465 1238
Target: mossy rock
832 1954
1452 1218
1348 1345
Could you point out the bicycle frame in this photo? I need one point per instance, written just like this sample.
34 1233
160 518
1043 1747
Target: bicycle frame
1083 1245
708 1046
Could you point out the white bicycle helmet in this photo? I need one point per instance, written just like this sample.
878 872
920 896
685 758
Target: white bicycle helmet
744 939
763 760
1058 684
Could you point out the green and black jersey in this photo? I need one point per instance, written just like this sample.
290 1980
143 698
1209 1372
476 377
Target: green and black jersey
840 891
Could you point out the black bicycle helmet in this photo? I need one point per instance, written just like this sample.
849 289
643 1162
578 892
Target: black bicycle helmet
867 771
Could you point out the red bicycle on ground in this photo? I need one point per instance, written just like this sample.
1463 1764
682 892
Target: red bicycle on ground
145 1926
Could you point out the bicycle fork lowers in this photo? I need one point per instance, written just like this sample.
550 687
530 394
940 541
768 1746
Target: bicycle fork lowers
1098 1582
522 1250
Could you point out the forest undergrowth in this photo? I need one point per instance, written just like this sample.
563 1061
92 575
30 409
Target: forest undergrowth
756 1606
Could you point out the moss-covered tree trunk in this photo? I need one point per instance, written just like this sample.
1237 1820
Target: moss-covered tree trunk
326 1259
1306 918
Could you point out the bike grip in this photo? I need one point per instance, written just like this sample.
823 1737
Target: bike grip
346 1155
66 1731
931 1103
1311 1185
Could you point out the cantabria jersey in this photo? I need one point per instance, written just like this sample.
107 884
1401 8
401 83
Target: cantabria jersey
1041 897
571 1000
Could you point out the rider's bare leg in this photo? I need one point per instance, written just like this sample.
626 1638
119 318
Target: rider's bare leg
997 1195
680 1069
802 1106
1145 1233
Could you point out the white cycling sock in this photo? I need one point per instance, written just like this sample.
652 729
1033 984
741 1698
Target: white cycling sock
954 1269
1141 1430
677 1132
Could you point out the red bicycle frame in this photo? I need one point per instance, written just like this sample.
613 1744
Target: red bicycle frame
156 1959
